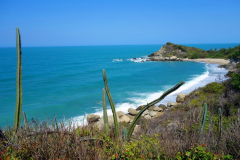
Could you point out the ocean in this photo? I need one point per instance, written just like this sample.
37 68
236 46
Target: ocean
67 82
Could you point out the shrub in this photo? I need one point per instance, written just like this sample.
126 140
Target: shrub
236 80
213 87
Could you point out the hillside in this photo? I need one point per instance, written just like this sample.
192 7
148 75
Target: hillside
180 51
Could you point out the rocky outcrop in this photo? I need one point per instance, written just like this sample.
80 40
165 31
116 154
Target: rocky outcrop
132 111
92 118
180 97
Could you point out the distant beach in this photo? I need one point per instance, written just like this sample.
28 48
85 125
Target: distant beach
209 60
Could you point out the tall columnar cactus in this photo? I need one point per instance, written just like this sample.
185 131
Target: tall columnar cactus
105 116
125 134
149 105
111 103
219 123
204 117
18 82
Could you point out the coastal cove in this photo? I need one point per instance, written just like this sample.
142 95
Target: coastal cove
68 81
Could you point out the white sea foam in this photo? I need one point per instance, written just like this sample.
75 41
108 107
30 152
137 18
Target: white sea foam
117 60
138 60
212 74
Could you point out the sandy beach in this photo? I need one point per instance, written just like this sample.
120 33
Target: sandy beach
209 60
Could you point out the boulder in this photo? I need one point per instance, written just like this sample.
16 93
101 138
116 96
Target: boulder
100 123
140 107
92 118
132 111
153 113
147 117
171 104
162 106
180 97
136 129
157 109
173 58
166 58
125 118
120 114
130 116
159 114
146 112
151 108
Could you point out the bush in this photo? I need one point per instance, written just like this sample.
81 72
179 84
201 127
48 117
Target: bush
236 80
213 87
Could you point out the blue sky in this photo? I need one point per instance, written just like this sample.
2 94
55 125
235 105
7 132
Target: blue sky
125 22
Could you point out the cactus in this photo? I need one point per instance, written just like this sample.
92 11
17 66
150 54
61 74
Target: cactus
105 116
149 105
204 117
125 134
219 123
19 82
111 103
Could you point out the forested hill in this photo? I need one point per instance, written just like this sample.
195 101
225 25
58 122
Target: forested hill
181 51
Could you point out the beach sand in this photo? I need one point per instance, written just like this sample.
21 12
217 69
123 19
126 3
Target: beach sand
209 60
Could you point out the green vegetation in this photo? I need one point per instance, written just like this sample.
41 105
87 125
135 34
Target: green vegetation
194 53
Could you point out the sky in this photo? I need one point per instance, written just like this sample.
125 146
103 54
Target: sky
124 22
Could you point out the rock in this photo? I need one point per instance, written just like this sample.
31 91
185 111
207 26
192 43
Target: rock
160 109
157 109
146 112
151 108
173 58
140 108
162 106
180 97
132 111
130 116
166 58
131 120
153 113
147 117
120 114
159 114
125 118
92 118
171 104
136 129
100 123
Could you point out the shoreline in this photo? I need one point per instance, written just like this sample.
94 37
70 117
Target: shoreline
209 60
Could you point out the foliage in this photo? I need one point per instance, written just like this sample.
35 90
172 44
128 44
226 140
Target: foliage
199 152
213 87
236 80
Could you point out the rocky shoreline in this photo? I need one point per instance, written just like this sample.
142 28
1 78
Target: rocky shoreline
152 112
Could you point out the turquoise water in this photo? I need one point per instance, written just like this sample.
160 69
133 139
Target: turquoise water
67 81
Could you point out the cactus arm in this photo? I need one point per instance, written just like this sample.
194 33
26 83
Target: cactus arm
111 103
219 123
18 82
149 105
105 116
125 134
204 117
